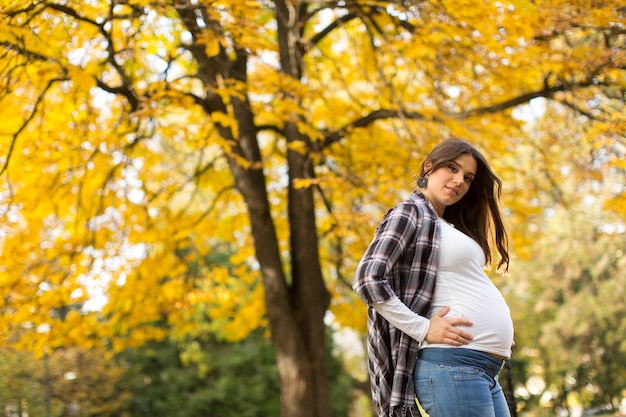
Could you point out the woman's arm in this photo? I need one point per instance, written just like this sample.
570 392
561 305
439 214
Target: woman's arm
437 329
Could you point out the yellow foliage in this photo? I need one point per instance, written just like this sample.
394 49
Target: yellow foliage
299 146
118 192
212 42
305 182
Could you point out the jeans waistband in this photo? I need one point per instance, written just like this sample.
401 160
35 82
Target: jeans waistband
462 357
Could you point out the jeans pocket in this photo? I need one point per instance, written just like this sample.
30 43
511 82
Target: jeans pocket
425 393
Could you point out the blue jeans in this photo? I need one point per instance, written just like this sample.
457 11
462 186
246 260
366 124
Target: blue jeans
459 382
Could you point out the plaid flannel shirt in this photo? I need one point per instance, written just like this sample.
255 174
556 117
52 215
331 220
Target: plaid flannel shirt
401 260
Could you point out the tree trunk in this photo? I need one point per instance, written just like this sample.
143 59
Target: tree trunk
309 295
296 313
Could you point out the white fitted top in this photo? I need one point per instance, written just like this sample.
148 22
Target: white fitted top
463 285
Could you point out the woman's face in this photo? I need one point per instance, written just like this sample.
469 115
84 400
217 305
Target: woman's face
449 183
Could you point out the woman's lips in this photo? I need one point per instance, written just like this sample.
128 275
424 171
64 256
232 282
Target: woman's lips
453 191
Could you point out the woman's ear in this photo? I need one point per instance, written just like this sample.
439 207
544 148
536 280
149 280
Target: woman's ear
427 166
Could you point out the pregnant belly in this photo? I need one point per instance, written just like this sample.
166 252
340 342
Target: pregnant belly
492 328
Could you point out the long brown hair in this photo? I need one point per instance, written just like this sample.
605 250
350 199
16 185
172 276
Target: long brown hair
477 214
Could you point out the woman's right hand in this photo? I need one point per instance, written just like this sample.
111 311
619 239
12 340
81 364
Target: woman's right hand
443 329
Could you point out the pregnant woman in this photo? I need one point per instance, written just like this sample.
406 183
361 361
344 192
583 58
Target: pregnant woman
438 329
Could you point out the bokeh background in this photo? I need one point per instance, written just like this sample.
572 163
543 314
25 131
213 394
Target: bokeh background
186 187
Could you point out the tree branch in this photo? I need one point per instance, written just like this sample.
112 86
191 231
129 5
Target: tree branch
328 29
30 117
582 111
123 90
69 12
547 92
367 120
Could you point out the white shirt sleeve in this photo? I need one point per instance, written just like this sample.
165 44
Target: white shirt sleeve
403 318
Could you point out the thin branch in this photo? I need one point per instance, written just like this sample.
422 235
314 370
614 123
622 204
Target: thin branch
332 26
271 128
27 121
211 208
582 111
26 53
70 12
367 120
124 90
547 92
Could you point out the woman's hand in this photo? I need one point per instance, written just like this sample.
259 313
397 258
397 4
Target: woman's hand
443 329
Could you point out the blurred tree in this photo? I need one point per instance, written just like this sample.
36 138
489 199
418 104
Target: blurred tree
209 378
568 292
66 382
138 134
575 285
574 288
22 386
202 379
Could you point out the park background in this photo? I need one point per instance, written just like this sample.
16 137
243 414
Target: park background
187 186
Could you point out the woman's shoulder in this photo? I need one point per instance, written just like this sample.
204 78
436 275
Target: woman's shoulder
420 203
414 210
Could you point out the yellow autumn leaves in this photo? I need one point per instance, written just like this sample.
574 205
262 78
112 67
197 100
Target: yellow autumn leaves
118 183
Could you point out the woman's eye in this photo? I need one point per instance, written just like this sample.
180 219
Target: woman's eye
452 168
468 179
